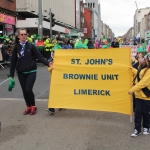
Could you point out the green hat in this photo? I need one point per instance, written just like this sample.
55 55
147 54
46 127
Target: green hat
104 37
1 37
81 46
38 37
141 49
35 36
105 46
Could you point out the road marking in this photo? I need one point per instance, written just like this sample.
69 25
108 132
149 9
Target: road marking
20 99
4 81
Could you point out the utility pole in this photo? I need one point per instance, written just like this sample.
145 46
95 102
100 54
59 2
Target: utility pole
40 25
136 5
50 14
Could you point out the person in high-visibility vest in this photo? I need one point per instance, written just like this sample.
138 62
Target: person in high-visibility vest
48 47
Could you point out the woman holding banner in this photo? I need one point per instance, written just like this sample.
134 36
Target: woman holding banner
141 89
23 60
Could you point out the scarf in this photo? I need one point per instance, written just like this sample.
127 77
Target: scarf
22 48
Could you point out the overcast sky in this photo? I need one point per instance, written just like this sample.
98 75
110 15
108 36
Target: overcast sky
118 14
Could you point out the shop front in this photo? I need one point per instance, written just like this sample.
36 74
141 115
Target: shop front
7 24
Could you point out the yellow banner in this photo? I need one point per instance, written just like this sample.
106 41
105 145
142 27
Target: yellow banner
92 80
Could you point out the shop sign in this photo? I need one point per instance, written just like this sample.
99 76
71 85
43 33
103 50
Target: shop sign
7 19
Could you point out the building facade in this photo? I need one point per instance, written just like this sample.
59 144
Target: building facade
146 22
64 11
79 18
149 21
142 28
88 23
7 17
82 22
101 26
139 14
129 35
95 6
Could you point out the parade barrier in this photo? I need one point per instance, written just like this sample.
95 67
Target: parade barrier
134 49
92 80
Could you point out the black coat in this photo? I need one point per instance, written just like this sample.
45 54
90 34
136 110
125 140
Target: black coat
115 44
28 61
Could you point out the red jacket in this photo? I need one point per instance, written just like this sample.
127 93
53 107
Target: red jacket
40 43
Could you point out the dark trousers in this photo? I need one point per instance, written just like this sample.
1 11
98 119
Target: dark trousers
27 81
142 110
3 53
48 54
133 98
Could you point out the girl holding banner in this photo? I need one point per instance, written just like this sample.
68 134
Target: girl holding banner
142 96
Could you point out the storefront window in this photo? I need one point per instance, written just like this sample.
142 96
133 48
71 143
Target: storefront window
1 29
9 29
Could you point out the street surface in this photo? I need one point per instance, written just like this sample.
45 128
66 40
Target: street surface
66 130
41 87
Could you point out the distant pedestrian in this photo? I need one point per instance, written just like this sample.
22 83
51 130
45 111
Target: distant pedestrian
130 42
90 44
24 57
115 43
135 43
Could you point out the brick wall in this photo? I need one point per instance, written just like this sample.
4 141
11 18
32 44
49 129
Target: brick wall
8 4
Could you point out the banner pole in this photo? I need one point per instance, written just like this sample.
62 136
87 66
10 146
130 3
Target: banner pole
130 118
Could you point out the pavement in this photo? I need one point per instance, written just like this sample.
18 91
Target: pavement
66 130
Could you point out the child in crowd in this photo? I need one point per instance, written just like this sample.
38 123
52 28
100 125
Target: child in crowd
56 47
142 96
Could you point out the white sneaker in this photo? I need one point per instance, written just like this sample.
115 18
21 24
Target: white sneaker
145 131
136 133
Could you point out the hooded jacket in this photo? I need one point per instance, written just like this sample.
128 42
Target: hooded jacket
144 82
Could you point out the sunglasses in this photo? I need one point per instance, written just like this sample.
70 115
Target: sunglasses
23 34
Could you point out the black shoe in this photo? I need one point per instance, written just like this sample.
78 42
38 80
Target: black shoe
145 131
60 109
136 133
50 110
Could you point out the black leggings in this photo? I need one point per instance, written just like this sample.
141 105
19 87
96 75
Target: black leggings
27 81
